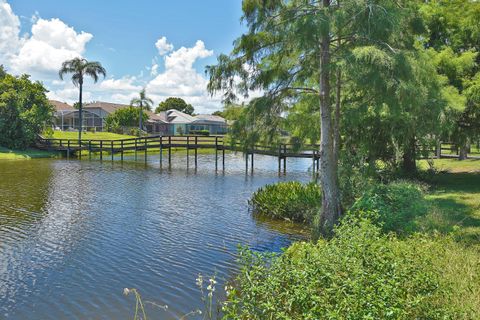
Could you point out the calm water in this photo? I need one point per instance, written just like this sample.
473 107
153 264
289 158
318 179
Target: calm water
73 233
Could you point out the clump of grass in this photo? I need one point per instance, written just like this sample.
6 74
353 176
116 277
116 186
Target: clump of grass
292 201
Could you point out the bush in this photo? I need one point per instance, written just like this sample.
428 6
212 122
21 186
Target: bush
359 274
24 110
288 200
200 132
395 205
124 117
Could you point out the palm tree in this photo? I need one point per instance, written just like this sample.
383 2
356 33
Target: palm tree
79 68
141 102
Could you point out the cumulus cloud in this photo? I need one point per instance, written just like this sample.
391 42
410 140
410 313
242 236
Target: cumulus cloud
42 51
122 84
163 46
180 78
51 43
68 94
154 69
10 41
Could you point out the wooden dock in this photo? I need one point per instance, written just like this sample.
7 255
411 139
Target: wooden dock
107 149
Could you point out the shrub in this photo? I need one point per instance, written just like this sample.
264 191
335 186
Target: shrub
200 132
395 205
135 132
359 274
288 200
124 117
24 110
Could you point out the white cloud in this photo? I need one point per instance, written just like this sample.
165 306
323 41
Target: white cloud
42 51
123 84
10 41
68 94
179 77
163 46
51 43
154 69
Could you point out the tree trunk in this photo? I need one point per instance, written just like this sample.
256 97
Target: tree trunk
439 149
331 207
80 112
336 124
409 164
140 117
463 151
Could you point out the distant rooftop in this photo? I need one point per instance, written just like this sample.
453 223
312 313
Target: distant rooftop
106 106
209 118
61 106
175 116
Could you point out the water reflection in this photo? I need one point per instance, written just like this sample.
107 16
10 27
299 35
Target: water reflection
73 234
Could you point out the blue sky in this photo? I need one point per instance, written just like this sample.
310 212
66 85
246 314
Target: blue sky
124 36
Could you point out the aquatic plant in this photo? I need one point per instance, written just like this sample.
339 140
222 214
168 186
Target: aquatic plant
291 200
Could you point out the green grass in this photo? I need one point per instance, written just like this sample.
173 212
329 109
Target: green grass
7 154
90 135
453 165
455 201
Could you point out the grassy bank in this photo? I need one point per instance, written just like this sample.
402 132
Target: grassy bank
406 250
90 135
7 154
454 197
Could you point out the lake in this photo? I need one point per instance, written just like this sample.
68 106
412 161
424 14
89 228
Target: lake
74 233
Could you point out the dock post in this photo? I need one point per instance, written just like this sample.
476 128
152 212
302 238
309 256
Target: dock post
318 162
146 149
246 162
89 149
251 164
68 149
223 158
161 150
279 159
216 153
101 149
314 161
79 149
196 152
169 151
121 150
136 149
284 158
111 149
188 151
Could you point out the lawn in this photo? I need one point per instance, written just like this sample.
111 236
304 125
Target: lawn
90 135
455 200
453 165
7 154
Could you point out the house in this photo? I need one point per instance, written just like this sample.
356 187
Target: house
171 122
94 116
214 124
182 123
179 121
